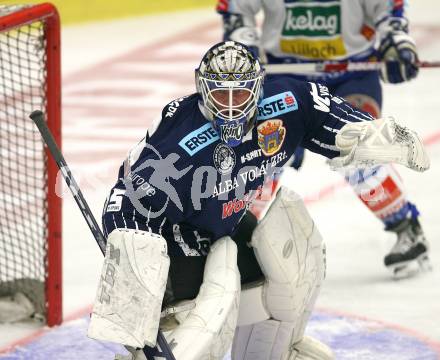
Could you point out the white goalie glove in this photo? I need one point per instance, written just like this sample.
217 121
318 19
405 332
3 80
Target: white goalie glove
378 142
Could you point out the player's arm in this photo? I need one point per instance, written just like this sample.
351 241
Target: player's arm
239 21
353 138
134 274
394 45
135 270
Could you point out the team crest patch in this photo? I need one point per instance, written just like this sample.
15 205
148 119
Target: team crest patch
271 134
224 158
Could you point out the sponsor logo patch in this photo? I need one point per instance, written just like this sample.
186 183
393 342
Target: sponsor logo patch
271 135
321 97
199 139
313 31
231 132
236 205
276 105
224 158
267 167
250 155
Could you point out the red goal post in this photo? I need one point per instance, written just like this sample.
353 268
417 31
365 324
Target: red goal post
31 217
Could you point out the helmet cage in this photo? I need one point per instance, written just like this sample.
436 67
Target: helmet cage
238 98
229 81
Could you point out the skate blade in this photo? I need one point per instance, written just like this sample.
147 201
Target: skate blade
406 271
411 268
424 263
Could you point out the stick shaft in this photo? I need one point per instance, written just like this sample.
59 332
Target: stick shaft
304 68
37 117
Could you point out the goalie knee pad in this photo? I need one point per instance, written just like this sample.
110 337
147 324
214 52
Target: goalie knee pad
273 315
208 329
130 292
292 259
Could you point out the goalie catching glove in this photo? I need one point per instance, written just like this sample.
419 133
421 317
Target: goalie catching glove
377 142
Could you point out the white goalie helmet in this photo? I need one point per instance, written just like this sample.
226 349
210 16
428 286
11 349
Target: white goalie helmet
229 80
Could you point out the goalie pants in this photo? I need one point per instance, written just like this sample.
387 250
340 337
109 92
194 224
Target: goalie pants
186 272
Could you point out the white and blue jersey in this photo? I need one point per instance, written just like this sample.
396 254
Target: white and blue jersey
182 182
298 31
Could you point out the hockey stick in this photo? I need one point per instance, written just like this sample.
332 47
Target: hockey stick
162 350
304 68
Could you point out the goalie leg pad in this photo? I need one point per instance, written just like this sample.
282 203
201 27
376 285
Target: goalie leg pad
252 305
293 262
208 329
292 259
131 288
272 340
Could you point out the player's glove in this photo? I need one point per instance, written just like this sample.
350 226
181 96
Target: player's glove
371 143
236 28
398 50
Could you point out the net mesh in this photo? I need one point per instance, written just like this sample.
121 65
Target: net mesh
23 174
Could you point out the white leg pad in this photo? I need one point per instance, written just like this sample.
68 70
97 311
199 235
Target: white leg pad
272 340
292 259
252 307
208 330
310 349
266 340
130 292
291 254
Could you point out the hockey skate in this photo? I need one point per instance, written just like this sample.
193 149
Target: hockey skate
409 255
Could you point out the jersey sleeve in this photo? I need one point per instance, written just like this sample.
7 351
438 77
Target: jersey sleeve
324 116
379 11
154 179
239 20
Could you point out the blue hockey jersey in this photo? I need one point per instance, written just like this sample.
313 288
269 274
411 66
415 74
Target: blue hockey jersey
183 182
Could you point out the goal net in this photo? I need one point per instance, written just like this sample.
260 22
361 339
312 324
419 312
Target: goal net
30 210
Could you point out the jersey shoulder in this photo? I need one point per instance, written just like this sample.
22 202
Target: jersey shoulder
174 115
283 95
183 128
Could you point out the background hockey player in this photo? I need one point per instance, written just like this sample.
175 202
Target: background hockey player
175 225
348 30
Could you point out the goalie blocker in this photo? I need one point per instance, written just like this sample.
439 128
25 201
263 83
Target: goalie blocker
130 291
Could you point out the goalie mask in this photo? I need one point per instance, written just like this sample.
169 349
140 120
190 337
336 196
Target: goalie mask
229 80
